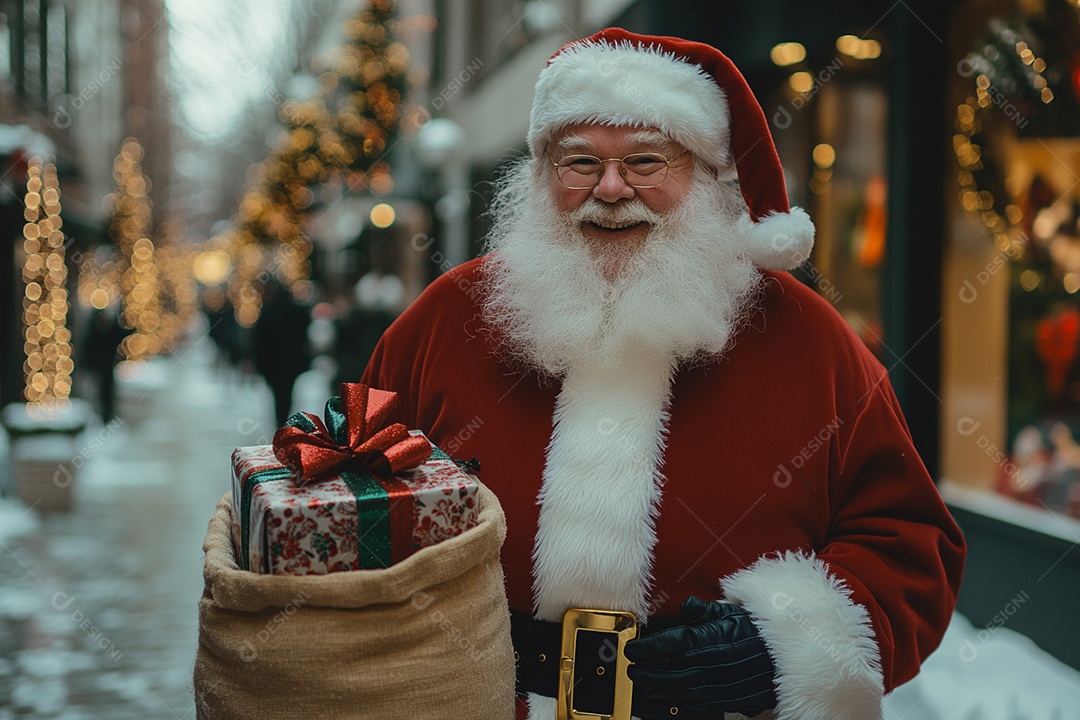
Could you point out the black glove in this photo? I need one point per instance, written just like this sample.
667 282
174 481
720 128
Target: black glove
715 663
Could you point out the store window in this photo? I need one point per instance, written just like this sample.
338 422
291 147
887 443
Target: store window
56 51
5 48
829 121
499 29
1011 326
34 44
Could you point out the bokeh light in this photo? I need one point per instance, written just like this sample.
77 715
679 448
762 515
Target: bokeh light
383 215
48 365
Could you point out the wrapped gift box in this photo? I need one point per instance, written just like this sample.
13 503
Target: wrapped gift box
347 521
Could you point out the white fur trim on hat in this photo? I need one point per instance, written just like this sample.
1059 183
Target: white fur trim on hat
828 666
617 84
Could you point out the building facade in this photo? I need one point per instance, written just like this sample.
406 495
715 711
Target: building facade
76 78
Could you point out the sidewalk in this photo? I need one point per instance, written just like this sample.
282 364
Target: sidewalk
98 607
98 614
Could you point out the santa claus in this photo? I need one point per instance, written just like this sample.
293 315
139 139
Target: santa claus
686 440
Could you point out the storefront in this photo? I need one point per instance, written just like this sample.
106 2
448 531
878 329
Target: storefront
1011 313
1012 320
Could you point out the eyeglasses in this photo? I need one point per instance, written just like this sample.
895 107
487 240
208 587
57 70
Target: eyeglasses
640 170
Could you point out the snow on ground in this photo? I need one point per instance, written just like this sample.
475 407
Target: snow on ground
16 519
976 674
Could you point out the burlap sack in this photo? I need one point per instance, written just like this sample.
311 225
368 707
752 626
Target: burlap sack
427 638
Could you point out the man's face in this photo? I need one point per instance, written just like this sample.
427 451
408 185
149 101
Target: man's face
612 191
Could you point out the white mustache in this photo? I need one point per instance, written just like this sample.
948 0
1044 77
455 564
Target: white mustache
594 211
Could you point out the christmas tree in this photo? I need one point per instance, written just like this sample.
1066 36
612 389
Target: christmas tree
343 134
365 89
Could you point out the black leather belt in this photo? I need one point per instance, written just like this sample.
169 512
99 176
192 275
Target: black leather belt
538 647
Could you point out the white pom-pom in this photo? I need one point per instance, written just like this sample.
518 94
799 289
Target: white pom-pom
779 241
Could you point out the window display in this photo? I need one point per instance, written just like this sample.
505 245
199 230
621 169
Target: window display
1012 289
830 128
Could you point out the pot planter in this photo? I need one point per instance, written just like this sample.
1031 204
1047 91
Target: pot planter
43 445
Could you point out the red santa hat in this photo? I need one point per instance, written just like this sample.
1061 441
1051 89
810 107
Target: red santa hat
696 96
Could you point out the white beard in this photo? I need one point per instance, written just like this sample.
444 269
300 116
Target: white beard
561 301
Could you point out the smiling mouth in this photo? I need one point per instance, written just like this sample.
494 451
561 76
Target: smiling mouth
610 228
607 225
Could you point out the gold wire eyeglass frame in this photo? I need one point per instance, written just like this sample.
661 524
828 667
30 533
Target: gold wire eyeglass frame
560 169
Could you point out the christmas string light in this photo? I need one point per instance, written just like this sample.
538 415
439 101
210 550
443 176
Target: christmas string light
47 340
1037 65
140 283
178 289
99 282
1010 78
973 199
970 116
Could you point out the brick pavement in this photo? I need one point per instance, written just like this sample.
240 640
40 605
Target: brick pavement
98 606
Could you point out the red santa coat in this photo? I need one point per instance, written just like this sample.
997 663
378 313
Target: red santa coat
787 483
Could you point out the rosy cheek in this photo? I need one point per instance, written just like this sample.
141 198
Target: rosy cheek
662 201
566 199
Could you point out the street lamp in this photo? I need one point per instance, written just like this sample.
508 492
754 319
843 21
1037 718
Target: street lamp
439 144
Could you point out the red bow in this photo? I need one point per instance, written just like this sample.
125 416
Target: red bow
354 441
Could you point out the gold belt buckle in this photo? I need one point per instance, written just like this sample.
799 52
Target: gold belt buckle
624 625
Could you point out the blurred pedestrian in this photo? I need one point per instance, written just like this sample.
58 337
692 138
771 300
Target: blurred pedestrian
224 330
378 300
281 345
103 353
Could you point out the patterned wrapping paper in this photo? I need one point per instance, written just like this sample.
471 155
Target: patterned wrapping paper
349 521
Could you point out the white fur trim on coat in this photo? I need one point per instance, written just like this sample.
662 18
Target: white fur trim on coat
828 666
591 82
779 241
601 492
601 488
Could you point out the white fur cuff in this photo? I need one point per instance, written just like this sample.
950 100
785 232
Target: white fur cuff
828 666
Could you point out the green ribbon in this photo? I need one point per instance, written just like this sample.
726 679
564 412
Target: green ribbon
372 520
335 420
373 546
247 487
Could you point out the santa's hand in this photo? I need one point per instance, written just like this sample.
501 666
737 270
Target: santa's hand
716 662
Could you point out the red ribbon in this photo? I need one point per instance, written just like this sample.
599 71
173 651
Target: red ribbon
368 449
